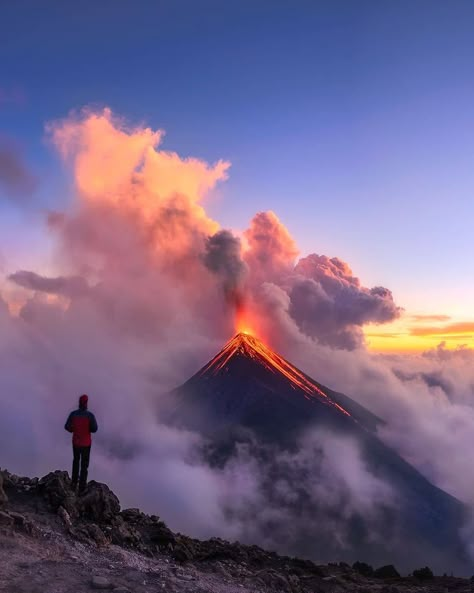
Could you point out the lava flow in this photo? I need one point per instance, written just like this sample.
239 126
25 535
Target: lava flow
246 345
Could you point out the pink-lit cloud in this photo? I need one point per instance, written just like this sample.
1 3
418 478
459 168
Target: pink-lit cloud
271 251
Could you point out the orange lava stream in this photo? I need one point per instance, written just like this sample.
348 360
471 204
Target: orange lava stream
257 350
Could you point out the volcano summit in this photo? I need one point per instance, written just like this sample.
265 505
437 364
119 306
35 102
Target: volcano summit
249 385
250 398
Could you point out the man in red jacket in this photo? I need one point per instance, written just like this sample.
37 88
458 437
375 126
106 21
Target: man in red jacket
81 423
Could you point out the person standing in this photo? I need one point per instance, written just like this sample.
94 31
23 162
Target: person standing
82 424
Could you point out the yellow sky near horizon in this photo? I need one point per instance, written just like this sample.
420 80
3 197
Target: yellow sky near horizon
420 332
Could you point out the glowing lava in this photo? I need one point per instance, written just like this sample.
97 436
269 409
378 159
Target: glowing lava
243 323
246 345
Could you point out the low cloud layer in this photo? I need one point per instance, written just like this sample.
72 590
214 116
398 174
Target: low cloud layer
146 290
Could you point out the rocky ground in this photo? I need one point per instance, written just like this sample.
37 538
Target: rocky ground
52 541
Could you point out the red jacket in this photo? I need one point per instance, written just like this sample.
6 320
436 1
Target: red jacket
81 423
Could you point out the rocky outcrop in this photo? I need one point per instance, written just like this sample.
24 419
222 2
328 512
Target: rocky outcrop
98 503
37 508
56 489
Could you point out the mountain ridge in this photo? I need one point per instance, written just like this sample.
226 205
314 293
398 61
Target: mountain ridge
51 539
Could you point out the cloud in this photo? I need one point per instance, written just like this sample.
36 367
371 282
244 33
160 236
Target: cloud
270 252
16 180
116 163
325 299
147 275
328 301
429 318
280 499
105 156
223 257
450 329
61 286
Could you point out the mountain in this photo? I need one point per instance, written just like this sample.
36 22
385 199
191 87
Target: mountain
248 394
248 384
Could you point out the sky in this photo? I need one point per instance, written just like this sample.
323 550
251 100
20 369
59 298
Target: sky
352 121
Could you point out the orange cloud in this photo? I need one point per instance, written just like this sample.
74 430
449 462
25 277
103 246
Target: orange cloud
430 318
110 159
120 172
105 155
165 173
461 327
269 249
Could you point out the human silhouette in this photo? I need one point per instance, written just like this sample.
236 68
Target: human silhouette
81 423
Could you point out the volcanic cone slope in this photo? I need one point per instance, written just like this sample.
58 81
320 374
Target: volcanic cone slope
248 393
250 385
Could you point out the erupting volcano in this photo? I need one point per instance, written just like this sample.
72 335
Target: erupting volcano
248 384
246 346
249 395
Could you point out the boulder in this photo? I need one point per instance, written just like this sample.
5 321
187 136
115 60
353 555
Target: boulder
65 516
133 516
99 503
423 574
124 534
96 534
161 535
363 568
56 488
386 572
26 484
183 552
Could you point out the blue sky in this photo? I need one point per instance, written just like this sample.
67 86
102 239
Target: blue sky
353 121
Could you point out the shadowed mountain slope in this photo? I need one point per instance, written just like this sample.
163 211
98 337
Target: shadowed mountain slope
249 394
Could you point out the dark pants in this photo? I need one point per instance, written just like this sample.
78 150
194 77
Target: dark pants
81 460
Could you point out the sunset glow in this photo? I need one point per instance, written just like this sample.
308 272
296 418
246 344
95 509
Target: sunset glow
417 333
